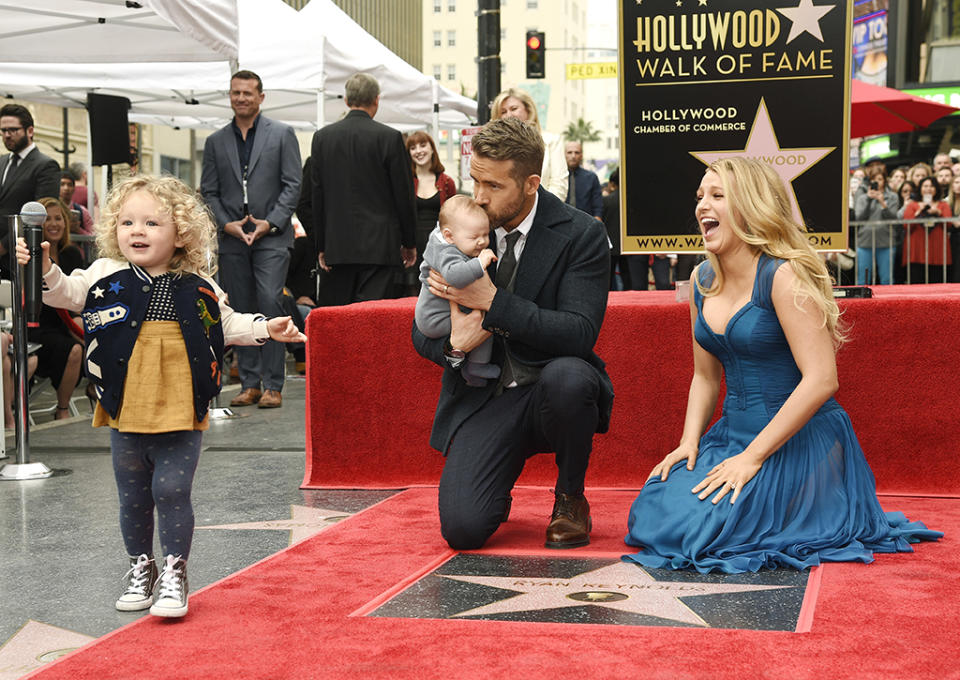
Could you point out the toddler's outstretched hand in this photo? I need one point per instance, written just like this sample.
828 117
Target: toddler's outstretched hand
23 255
282 329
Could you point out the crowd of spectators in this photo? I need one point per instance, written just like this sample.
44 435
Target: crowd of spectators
893 211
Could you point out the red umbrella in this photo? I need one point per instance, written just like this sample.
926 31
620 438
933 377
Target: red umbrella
879 110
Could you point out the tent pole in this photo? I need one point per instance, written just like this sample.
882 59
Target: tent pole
435 86
322 92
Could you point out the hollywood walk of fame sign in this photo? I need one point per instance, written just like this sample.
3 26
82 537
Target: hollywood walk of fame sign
599 591
708 79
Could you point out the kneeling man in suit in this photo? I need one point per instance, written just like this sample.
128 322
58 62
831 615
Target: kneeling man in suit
544 306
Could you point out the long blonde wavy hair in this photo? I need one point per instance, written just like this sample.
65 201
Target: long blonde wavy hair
760 214
188 211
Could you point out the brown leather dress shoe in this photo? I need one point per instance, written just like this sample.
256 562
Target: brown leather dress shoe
270 399
570 524
247 397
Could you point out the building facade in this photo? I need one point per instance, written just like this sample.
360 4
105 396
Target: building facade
395 23
450 51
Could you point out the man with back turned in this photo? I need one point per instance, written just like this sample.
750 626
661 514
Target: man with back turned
364 212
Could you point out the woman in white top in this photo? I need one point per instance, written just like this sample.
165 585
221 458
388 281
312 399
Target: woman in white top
518 104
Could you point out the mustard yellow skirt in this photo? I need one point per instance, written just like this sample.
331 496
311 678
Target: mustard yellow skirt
158 391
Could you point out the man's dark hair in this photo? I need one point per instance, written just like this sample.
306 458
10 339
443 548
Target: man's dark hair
511 139
615 177
248 75
18 111
66 174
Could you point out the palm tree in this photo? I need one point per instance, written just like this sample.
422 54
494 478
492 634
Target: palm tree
581 131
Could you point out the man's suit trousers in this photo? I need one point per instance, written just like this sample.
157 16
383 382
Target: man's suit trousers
254 282
558 413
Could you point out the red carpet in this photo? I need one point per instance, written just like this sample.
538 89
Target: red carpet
289 616
370 397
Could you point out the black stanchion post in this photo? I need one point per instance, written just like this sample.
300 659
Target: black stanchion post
23 468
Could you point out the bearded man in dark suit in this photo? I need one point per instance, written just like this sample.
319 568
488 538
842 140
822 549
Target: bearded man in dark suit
25 173
364 214
544 307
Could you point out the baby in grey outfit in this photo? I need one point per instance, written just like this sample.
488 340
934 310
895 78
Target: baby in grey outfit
457 249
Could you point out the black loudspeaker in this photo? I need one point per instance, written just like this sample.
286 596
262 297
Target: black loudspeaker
109 128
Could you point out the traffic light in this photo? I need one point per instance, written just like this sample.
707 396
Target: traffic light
535 62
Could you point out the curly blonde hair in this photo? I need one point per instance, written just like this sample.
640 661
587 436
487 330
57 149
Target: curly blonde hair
760 214
190 216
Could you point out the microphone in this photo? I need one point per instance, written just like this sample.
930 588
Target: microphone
33 215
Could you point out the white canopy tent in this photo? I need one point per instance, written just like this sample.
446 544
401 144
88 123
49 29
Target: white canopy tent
173 58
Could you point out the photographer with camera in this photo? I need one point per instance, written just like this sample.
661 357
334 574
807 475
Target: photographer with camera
875 242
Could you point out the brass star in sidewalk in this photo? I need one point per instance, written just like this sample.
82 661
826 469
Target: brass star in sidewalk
622 586
303 523
34 645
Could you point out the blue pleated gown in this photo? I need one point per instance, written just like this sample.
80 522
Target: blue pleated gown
814 500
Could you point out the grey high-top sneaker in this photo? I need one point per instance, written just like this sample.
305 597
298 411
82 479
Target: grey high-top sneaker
171 588
138 593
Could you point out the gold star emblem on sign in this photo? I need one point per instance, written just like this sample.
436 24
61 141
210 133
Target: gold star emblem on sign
622 586
806 19
762 145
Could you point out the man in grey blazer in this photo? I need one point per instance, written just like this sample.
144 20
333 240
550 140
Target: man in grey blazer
25 173
251 181
544 307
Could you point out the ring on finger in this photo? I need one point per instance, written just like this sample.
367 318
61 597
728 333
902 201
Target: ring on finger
445 289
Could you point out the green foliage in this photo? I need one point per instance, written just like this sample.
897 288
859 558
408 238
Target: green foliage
581 131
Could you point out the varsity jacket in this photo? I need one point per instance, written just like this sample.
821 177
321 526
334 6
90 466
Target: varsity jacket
113 297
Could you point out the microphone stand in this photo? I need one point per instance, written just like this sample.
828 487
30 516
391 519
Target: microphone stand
23 468
216 411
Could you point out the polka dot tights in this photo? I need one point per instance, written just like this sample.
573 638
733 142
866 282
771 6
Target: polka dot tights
156 470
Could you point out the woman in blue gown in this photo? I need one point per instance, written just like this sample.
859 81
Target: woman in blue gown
780 479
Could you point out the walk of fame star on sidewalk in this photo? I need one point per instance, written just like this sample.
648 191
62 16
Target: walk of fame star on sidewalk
304 522
621 586
34 645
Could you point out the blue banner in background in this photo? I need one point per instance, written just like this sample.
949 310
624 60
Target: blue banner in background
870 41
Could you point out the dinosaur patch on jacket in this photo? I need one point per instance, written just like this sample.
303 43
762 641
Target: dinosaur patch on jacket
206 317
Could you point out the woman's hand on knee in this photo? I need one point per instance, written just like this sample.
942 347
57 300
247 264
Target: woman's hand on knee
683 452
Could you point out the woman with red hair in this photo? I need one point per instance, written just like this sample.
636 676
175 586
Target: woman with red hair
432 187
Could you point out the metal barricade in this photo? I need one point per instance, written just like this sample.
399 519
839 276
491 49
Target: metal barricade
896 227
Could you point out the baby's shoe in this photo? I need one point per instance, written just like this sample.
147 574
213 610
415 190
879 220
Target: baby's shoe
171 588
138 593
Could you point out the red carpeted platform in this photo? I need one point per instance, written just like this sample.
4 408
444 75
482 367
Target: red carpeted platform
299 614
370 397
